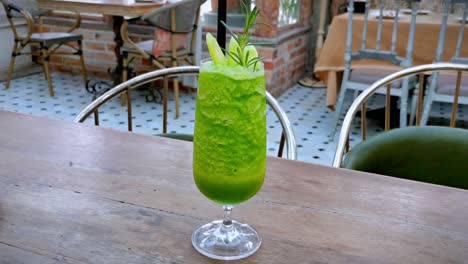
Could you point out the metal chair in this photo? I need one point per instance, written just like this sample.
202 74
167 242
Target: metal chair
177 19
360 79
42 44
164 74
425 153
442 87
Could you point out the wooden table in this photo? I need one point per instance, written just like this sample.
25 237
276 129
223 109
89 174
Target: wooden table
331 63
115 8
74 193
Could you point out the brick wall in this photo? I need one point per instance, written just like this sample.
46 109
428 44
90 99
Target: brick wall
285 60
98 47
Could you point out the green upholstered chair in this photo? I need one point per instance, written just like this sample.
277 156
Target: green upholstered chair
184 137
41 44
126 87
430 154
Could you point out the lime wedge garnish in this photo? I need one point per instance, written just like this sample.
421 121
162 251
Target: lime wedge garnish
252 54
233 46
216 53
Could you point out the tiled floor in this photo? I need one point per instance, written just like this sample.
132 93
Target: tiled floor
305 108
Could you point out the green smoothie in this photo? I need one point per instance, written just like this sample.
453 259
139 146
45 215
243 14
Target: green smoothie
229 159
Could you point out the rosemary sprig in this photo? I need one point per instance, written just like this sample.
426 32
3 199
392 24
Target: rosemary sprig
241 55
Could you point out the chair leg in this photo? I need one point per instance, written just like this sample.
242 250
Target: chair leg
428 99
11 68
44 72
176 96
403 109
338 109
356 94
426 110
49 78
10 71
45 60
176 91
123 97
414 105
83 65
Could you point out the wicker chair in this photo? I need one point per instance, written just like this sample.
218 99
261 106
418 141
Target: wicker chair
126 87
434 154
43 45
176 21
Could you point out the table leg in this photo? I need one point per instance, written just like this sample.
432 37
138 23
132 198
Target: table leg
100 87
117 73
333 82
97 88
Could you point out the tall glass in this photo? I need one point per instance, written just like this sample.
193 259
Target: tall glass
229 158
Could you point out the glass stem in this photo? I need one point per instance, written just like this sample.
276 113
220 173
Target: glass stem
227 221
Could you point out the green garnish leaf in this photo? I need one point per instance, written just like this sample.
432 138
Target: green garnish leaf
233 58
216 53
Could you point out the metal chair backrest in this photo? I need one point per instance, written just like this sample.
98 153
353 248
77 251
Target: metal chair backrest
27 9
360 102
456 58
165 74
367 52
14 8
180 17
435 89
30 11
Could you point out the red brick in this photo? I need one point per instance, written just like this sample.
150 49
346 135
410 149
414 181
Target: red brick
89 35
298 52
94 46
268 65
104 36
64 68
266 53
300 61
110 47
45 29
56 59
71 61
279 62
268 75
89 55
105 56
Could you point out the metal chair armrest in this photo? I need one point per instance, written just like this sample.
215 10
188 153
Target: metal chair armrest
30 22
77 23
128 41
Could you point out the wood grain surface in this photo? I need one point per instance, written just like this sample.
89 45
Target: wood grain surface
75 193
105 7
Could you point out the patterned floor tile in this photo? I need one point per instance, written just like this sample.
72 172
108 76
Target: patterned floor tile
311 119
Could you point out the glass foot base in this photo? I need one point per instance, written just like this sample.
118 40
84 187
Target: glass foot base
226 242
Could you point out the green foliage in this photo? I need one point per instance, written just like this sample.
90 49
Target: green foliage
240 54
